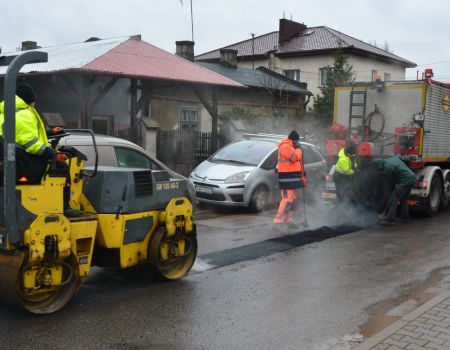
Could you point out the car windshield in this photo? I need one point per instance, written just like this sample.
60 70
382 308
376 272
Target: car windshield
247 152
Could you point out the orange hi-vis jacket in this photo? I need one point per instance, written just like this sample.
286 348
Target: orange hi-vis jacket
291 173
289 158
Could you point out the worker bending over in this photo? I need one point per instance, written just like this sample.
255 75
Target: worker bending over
402 179
344 173
291 176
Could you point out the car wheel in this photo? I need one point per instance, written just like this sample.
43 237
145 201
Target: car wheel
259 199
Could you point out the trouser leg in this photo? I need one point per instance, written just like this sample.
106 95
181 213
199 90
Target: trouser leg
287 205
400 193
344 186
339 182
30 166
291 205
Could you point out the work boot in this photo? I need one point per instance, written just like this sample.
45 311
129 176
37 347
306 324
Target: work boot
71 213
288 218
387 222
279 219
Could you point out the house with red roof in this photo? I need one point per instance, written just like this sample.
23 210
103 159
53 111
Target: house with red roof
124 86
304 53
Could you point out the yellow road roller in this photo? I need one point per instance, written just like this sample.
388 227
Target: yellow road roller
125 218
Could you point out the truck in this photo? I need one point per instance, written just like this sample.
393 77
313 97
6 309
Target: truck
404 118
127 218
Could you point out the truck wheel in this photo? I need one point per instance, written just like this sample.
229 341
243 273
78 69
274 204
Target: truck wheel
433 201
445 200
259 199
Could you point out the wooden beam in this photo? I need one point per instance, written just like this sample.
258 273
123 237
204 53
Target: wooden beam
71 89
104 91
144 100
213 110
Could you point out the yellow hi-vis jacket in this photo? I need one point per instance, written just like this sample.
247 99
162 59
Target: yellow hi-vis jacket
344 164
30 130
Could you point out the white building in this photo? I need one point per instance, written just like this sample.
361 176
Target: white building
302 53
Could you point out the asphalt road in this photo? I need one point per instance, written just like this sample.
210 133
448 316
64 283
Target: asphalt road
253 288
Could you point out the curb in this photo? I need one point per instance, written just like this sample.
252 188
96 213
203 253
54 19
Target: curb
388 331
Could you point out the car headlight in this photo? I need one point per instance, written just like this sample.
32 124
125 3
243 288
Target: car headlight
239 177
191 175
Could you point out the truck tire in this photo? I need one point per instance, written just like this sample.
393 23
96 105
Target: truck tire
433 201
445 200
259 199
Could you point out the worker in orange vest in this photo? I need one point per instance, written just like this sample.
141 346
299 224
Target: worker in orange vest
291 176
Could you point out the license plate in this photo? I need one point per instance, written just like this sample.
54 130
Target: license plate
202 189
328 196
330 186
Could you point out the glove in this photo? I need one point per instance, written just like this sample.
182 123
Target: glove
48 154
58 130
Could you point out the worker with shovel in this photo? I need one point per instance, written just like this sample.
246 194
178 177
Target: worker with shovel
291 176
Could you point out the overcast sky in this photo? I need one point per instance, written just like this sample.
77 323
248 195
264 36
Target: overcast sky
416 30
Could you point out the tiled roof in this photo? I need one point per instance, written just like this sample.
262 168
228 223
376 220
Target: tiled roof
124 57
312 40
259 78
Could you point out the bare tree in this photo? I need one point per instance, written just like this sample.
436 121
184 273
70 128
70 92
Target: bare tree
279 99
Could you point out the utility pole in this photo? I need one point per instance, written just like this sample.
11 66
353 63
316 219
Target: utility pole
192 22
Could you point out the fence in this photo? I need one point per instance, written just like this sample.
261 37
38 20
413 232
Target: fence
183 149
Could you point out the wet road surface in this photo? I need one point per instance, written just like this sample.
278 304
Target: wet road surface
284 291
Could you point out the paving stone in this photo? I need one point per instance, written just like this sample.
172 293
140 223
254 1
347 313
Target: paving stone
437 323
415 334
435 318
422 324
435 346
432 339
414 347
431 333
411 327
440 329
417 341
381 347
397 336
397 343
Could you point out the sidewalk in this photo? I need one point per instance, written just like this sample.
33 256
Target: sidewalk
427 327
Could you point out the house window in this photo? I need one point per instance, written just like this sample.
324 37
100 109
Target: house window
324 74
387 76
190 118
293 74
102 124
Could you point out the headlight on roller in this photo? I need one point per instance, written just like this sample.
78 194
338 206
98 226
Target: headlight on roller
239 177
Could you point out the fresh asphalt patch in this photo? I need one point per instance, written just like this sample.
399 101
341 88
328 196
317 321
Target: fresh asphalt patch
271 246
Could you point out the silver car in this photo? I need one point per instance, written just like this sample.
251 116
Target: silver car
242 174
116 152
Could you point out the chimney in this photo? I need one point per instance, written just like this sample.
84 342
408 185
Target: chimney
29 45
228 57
185 49
289 29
